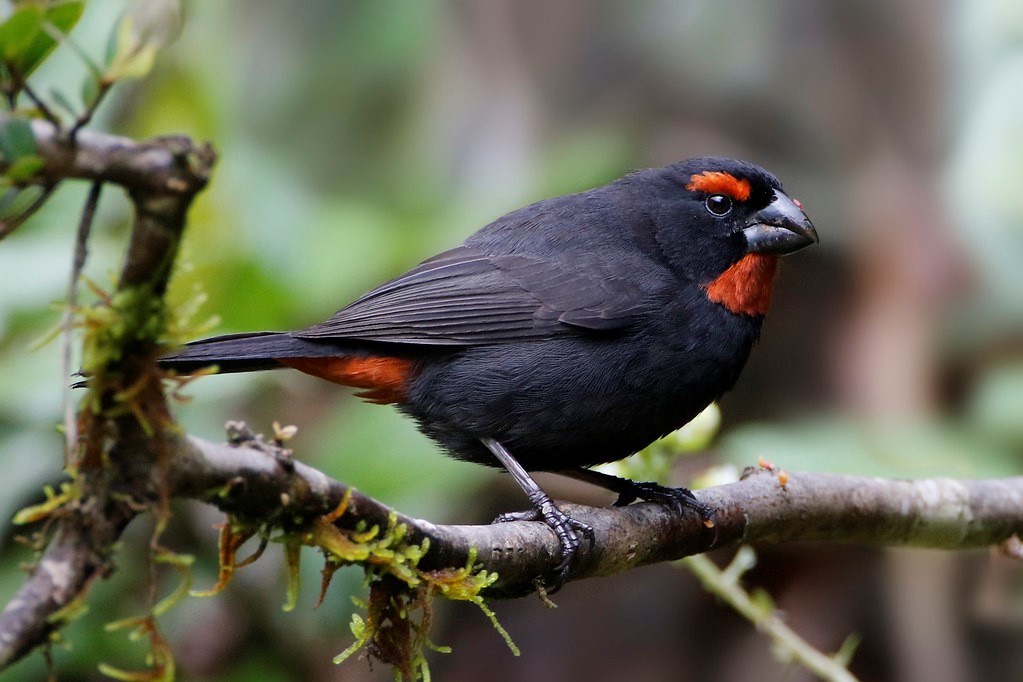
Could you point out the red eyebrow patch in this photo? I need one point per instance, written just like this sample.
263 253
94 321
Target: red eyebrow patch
719 182
384 378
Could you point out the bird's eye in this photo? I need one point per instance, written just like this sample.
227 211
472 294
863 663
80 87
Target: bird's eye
719 204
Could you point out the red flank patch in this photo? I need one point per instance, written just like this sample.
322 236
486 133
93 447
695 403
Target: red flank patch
384 378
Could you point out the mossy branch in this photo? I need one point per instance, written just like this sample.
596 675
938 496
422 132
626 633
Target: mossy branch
117 462
936 513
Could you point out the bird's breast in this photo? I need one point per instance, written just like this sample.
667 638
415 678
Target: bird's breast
745 288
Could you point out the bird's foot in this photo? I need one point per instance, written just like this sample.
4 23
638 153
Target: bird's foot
677 499
566 528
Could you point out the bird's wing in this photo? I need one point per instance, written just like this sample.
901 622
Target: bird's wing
464 297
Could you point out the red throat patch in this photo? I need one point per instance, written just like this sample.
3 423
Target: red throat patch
718 182
384 378
746 286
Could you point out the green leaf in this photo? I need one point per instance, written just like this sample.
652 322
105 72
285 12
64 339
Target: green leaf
133 57
19 32
7 200
58 20
90 91
25 168
63 102
145 29
64 16
16 139
26 37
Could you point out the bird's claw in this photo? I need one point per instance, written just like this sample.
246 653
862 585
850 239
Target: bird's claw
567 530
677 499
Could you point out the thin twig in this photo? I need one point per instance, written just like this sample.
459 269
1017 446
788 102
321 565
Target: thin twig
94 72
724 584
7 227
44 109
68 318
103 87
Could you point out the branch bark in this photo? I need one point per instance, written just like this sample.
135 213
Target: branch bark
938 513
171 165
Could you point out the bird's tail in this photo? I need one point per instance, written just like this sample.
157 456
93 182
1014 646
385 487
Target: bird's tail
247 352
383 377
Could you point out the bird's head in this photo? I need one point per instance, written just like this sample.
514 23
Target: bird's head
722 223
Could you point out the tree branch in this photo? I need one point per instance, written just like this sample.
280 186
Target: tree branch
937 513
74 559
249 483
119 464
171 165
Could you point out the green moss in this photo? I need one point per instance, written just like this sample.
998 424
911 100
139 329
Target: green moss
391 629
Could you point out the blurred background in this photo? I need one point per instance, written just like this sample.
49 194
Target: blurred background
358 138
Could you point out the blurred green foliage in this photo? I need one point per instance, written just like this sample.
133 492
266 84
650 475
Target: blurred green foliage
27 35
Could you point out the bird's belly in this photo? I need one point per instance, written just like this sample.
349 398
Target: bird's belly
558 404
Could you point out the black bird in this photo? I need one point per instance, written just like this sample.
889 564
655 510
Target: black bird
568 333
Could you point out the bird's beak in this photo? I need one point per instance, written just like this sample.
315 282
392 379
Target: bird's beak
780 228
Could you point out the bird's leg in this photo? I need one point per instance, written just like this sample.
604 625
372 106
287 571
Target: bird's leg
678 499
564 526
